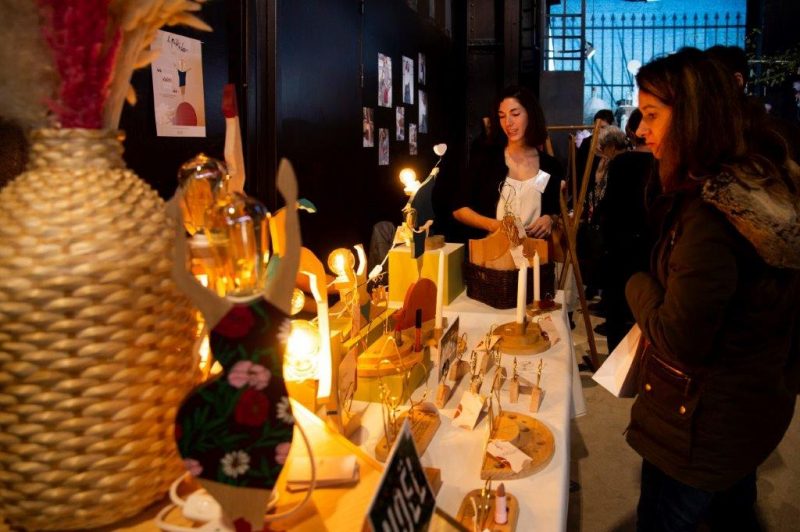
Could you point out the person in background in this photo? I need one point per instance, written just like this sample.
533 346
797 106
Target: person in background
513 164
621 215
718 309
762 127
606 118
591 249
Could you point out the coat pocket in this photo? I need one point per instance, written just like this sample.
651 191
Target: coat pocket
665 407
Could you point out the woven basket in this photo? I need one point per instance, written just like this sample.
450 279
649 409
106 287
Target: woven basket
498 288
95 340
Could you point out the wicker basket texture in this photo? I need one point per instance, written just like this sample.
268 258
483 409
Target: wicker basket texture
95 340
498 288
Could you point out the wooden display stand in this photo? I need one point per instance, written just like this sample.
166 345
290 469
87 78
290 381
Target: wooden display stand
530 436
522 338
466 512
424 425
403 270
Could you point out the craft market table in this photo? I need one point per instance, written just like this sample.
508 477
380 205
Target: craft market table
543 496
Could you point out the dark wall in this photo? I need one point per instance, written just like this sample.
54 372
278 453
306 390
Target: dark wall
156 159
322 49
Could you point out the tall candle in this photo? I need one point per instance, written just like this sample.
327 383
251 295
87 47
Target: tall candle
440 291
522 289
536 287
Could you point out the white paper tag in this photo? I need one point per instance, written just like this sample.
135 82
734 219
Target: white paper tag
509 452
540 181
468 410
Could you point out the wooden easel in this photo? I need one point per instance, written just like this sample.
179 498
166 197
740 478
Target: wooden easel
571 226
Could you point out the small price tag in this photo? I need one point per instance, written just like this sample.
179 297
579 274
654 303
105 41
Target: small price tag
508 452
469 410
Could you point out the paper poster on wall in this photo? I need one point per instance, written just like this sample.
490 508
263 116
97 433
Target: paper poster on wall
423 112
408 80
400 123
368 126
384 80
412 139
178 94
383 146
421 68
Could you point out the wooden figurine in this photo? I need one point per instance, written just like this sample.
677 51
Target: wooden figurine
235 431
536 391
513 390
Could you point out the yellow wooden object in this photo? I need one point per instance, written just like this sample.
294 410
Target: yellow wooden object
404 270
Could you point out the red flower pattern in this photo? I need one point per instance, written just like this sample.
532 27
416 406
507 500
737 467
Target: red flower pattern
236 323
252 409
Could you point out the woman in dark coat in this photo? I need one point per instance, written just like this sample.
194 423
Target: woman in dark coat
513 159
719 309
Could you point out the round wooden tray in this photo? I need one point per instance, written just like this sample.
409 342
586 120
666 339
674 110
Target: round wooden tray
531 341
530 435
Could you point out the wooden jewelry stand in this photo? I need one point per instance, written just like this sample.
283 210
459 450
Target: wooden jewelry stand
454 375
522 338
424 425
530 436
466 513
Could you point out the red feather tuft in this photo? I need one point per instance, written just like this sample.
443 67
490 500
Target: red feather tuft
84 47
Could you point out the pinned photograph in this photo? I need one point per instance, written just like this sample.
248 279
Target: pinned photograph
421 68
412 139
400 123
408 80
384 80
423 112
383 146
178 92
368 125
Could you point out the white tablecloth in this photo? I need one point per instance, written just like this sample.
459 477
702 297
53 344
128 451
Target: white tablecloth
543 496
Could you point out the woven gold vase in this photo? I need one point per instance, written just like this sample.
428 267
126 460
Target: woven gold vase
95 340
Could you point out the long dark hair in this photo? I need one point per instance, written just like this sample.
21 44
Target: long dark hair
707 127
536 132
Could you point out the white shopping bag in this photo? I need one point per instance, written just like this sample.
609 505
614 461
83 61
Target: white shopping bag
619 372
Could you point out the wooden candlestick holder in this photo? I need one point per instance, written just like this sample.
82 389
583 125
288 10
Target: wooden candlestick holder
537 308
522 338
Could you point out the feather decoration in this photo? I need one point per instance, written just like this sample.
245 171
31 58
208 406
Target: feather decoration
27 76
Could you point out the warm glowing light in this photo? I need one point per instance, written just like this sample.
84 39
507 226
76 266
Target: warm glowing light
440 149
298 300
301 360
341 261
409 179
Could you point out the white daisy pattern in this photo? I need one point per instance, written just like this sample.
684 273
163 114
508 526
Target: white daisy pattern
283 332
284 412
235 463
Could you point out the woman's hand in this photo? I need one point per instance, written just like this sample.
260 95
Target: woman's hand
541 227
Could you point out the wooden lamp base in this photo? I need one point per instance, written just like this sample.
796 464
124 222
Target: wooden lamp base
522 338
